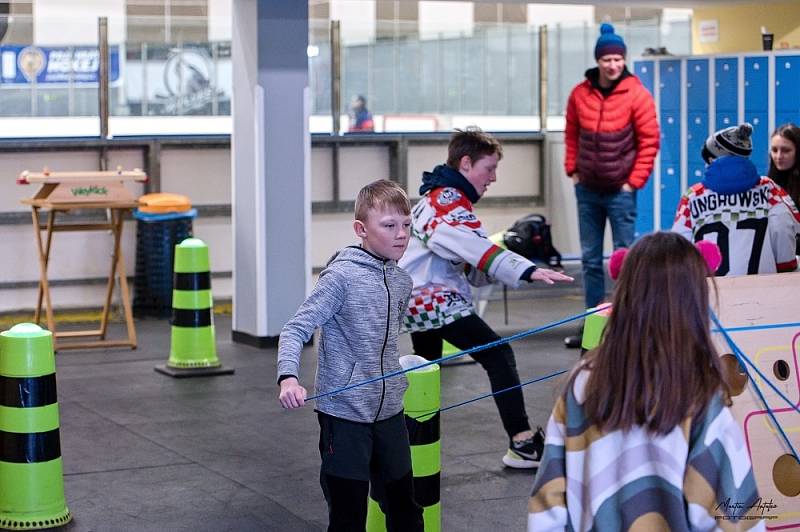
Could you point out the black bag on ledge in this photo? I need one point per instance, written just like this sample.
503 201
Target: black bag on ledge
530 237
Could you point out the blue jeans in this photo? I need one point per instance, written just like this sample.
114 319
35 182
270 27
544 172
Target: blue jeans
593 209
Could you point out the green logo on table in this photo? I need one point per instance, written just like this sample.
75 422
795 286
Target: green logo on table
88 191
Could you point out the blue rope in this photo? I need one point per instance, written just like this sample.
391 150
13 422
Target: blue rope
484 396
761 327
494 343
740 355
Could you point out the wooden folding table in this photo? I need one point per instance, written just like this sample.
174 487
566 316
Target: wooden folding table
62 192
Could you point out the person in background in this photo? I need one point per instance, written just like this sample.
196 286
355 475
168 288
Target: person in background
449 251
752 220
360 117
642 438
784 164
612 138
358 303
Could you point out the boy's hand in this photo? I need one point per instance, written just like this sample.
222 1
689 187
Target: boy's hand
550 276
292 394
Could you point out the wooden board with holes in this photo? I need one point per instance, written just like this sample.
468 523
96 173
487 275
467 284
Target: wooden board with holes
761 314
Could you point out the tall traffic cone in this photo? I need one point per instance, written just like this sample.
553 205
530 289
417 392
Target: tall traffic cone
421 404
193 350
31 472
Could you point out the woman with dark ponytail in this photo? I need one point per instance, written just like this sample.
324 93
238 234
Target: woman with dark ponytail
784 164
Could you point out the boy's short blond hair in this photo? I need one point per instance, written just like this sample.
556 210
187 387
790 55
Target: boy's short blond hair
382 194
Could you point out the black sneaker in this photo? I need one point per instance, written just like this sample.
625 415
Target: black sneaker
525 454
573 342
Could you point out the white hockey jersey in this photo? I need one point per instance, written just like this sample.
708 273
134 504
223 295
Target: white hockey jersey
448 252
753 226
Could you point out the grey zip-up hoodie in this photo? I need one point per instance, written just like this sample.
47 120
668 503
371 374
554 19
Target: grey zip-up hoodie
358 302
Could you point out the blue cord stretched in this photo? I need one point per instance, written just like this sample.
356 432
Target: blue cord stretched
742 358
500 341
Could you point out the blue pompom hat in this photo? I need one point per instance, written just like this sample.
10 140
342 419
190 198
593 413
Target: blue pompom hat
609 42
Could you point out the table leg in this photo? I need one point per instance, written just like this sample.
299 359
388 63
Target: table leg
44 258
123 288
112 274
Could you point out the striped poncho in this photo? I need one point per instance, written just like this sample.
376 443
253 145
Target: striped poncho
697 477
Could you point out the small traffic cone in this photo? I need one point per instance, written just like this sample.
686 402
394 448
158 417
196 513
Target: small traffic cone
193 350
31 472
593 328
421 404
449 349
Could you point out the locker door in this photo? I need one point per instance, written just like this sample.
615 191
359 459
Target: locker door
695 174
756 84
725 119
645 71
696 135
669 72
697 84
726 84
787 85
670 136
670 192
644 209
760 140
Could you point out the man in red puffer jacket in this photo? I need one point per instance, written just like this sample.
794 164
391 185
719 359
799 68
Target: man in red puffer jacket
612 138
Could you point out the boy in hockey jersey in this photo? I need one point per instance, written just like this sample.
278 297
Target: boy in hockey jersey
750 218
449 250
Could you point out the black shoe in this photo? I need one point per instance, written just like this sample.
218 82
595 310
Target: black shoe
573 342
525 454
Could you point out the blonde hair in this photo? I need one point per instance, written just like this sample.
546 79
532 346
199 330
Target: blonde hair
382 194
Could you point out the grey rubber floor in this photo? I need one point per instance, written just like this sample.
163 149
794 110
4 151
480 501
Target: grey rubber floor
143 451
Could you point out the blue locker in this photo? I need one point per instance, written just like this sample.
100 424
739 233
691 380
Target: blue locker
696 135
785 118
760 140
787 85
644 209
726 84
670 124
697 84
695 174
756 84
645 71
670 192
669 72
725 119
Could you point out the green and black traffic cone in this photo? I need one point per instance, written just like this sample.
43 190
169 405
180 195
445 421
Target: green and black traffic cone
193 349
31 472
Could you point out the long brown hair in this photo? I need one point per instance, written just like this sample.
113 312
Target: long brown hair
790 180
656 364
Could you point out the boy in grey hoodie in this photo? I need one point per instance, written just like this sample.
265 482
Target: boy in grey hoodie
358 303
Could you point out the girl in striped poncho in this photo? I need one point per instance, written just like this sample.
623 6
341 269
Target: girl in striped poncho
642 438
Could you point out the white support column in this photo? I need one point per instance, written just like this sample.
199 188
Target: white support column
271 167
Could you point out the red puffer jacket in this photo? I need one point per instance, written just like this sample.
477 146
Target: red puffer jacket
613 140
